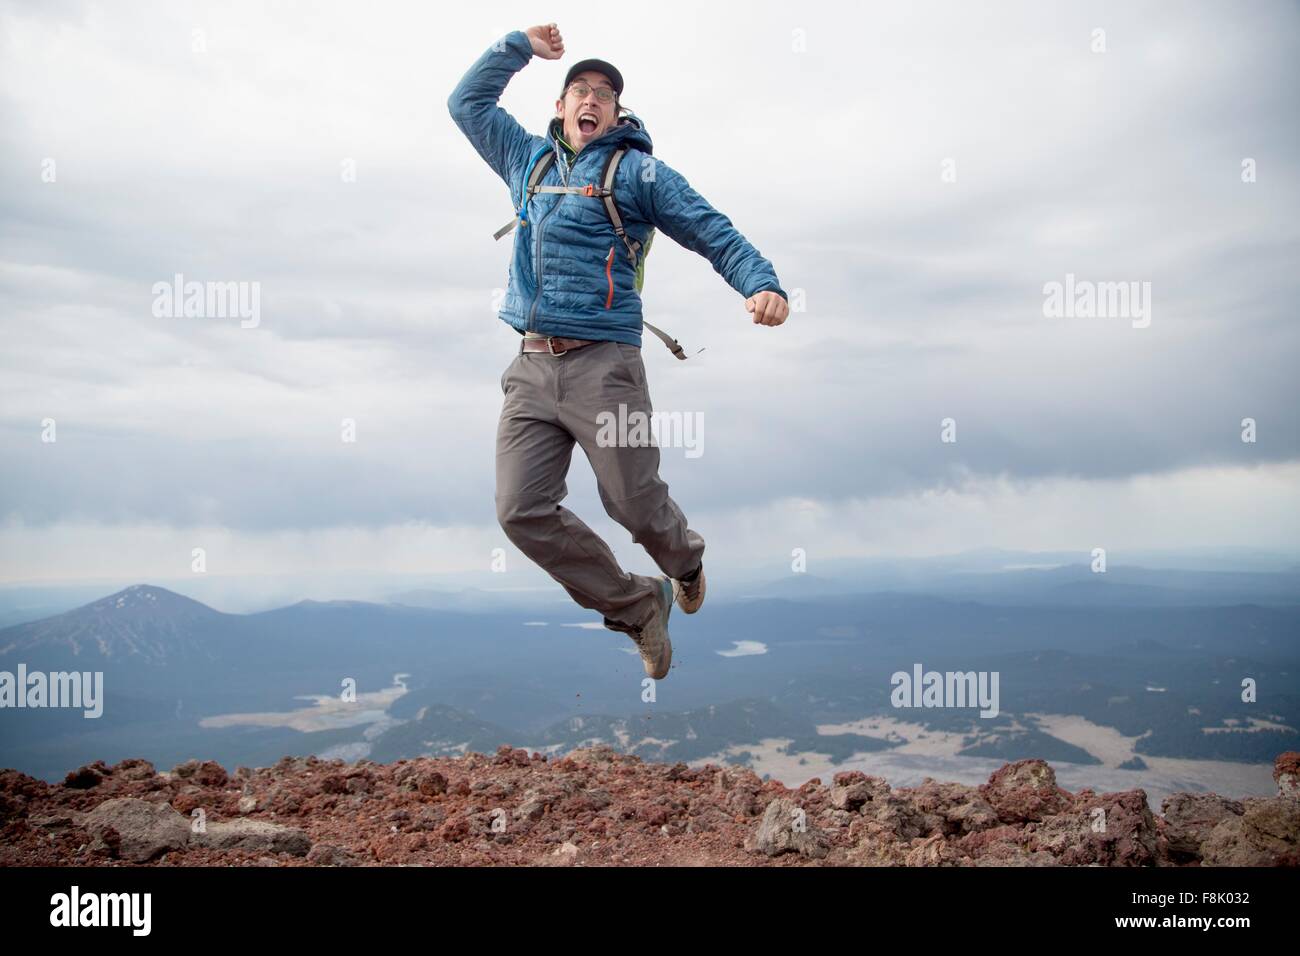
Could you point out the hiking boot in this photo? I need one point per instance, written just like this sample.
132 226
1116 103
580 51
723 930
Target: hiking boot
689 590
652 637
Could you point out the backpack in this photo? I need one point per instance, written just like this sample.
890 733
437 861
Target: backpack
541 161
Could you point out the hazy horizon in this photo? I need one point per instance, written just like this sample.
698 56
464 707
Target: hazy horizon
527 586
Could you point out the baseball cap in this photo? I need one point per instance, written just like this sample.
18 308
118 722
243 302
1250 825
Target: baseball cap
600 66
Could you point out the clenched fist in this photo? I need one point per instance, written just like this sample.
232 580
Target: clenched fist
769 308
546 40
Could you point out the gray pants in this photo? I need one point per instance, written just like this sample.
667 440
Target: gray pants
551 401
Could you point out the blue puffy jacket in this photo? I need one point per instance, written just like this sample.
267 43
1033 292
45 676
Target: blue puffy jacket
569 273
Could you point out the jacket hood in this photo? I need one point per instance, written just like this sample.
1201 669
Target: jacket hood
630 129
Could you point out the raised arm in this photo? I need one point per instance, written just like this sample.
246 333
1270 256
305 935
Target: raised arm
494 133
687 218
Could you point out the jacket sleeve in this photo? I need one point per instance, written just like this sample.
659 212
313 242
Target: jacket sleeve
497 136
673 207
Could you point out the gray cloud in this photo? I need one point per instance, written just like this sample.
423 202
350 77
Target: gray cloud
924 298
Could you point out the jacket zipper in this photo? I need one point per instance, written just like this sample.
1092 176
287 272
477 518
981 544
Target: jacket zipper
609 263
538 300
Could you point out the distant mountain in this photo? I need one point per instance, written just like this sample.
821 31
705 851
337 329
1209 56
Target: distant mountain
802 585
531 677
1069 584
155 643
479 600
140 625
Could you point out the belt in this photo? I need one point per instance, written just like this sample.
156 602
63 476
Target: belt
554 344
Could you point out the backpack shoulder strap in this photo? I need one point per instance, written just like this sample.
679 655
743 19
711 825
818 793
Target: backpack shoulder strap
611 208
635 250
538 164
673 345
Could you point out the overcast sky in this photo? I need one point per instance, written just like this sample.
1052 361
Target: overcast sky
209 139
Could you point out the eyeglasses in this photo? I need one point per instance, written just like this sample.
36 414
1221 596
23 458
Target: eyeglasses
603 93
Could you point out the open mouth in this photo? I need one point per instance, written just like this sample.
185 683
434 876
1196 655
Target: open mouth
587 123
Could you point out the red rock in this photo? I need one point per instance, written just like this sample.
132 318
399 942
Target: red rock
204 773
1286 774
431 783
621 811
1024 791
333 783
83 778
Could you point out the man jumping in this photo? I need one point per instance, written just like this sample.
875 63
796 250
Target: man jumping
581 233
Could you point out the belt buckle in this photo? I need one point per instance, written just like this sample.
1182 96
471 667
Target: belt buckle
550 346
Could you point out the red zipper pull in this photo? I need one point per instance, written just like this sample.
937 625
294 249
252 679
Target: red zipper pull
609 263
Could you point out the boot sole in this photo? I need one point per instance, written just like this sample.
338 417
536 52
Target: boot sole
668 644
679 595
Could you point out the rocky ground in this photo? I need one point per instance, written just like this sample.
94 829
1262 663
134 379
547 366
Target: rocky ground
596 806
